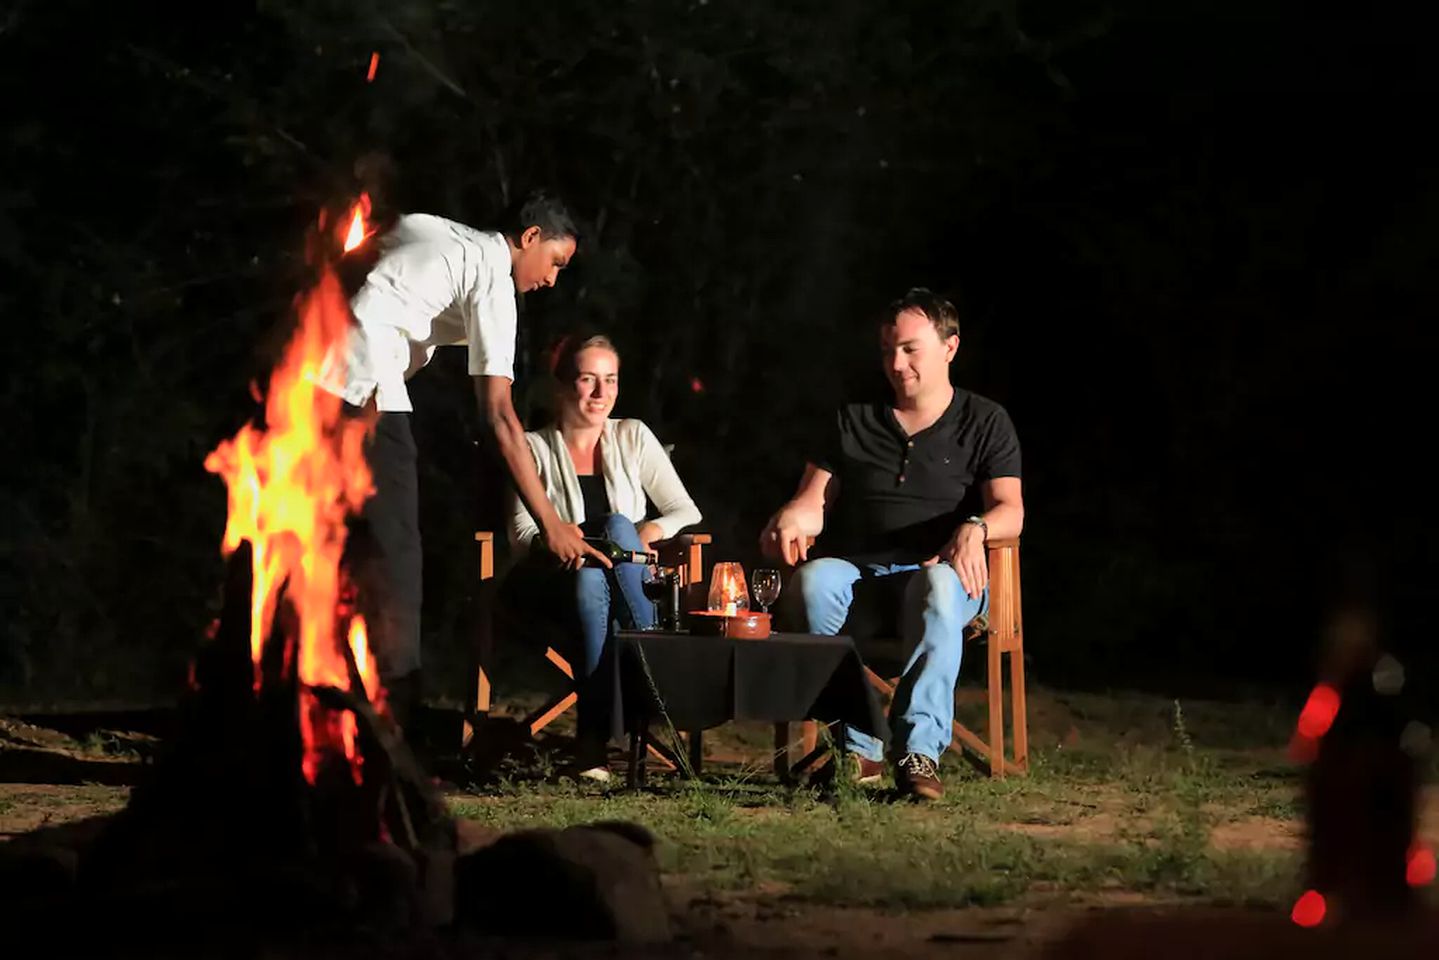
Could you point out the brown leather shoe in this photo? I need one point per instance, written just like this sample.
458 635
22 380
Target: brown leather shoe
918 776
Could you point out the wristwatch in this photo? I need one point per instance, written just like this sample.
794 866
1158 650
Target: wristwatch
979 522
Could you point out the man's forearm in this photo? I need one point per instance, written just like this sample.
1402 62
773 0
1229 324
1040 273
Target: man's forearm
805 514
516 453
1004 521
514 449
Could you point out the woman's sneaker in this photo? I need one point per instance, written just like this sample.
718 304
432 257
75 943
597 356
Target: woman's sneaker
596 774
918 776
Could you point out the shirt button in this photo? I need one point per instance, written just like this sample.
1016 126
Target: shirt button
910 444
901 478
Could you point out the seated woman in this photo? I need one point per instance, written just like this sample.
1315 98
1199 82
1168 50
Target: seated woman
597 472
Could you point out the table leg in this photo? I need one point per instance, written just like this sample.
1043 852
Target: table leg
638 738
781 754
697 752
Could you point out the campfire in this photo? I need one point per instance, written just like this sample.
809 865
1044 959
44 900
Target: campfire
288 807
289 800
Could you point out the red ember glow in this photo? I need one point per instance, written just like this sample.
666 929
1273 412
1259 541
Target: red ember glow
1309 909
1319 711
1419 872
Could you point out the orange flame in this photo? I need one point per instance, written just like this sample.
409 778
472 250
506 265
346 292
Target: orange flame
1309 909
291 486
728 594
357 234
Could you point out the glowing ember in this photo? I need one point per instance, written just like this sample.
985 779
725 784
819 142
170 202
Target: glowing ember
291 486
1309 909
1319 711
374 65
356 234
1419 872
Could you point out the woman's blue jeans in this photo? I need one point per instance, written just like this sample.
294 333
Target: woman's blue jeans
589 604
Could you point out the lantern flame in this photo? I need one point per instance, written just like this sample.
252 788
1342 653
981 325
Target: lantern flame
728 594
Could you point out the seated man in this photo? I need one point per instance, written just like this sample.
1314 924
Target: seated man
904 469
598 472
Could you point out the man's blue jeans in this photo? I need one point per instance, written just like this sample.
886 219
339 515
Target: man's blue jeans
933 614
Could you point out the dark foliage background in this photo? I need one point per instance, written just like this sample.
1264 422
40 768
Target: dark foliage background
1193 243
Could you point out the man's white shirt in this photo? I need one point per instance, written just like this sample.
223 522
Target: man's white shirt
437 283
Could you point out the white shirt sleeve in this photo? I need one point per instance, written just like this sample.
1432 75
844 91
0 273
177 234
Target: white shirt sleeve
490 320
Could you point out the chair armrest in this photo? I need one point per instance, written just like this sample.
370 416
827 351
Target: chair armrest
686 540
686 551
486 540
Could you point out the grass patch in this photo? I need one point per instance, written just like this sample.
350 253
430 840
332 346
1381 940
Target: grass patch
1124 795
1123 815
869 851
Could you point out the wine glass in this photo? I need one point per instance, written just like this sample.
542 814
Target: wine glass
656 586
765 584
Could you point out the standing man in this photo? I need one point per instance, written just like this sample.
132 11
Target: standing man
904 469
437 283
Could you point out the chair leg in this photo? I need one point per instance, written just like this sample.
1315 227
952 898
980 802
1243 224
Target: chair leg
481 660
1019 711
996 710
548 715
1019 706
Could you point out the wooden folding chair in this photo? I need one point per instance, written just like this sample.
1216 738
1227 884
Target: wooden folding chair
685 552
1003 629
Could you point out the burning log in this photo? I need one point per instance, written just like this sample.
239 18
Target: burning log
231 825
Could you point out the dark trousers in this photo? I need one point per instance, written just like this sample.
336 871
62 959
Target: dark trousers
392 517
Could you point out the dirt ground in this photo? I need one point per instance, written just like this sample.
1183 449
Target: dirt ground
48 779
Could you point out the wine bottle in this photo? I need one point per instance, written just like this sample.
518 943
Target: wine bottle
618 554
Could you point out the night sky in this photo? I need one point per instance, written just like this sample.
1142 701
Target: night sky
1192 244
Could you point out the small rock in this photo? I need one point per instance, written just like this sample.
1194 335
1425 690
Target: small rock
595 882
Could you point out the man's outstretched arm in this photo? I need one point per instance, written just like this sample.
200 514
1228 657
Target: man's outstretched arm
498 411
786 537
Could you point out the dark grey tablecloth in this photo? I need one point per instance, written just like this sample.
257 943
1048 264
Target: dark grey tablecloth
703 682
